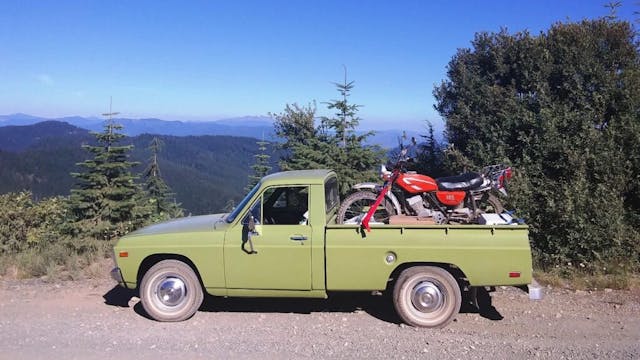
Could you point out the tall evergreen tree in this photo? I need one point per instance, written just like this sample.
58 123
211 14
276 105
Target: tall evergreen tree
334 144
161 199
346 119
107 201
351 158
430 155
261 165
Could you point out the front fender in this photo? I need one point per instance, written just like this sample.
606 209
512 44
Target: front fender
375 187
367 186
203 249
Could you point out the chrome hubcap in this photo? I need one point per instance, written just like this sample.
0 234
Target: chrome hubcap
427 297
171 291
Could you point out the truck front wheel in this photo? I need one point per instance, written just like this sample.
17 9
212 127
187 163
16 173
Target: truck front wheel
170 291
427 296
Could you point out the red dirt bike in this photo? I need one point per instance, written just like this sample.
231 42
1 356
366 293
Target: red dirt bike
454 199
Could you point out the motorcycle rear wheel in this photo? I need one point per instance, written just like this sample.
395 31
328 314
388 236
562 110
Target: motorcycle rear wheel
491 205
355 206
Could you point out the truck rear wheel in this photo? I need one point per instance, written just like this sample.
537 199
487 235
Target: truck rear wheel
427 296
171 291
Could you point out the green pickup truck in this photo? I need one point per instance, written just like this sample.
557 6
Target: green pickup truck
282 240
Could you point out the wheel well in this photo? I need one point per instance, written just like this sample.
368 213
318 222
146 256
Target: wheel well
151 260
454 270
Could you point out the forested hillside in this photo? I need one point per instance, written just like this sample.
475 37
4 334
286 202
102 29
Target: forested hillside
205 172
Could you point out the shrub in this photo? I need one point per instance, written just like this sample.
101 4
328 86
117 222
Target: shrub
25 224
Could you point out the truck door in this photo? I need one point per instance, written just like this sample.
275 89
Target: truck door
277 227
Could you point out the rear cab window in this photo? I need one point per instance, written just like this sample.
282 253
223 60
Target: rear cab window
331 195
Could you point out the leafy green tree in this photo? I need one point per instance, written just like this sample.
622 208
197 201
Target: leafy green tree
334 144
162 200
261 166
562 108
107 202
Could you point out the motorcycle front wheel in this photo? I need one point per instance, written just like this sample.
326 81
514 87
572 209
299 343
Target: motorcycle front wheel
355 206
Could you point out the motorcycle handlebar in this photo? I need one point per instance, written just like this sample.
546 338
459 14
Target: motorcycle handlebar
401 163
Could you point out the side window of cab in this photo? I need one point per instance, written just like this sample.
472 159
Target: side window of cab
285 205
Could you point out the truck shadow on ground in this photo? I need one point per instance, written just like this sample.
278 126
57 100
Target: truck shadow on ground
378 306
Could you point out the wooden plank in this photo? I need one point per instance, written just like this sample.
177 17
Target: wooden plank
410 220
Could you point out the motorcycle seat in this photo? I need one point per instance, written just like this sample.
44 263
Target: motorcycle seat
463 182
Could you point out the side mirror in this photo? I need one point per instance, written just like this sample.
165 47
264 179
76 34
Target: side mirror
248 230
251 224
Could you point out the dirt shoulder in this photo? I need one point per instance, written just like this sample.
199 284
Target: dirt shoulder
95 319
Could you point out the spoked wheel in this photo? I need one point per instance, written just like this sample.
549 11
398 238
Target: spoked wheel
171 291
355 207
491 205
427 296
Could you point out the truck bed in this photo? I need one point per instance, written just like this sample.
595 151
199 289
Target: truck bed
486 255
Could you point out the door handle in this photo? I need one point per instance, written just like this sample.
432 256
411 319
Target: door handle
298 237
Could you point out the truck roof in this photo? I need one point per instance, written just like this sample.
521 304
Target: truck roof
298 177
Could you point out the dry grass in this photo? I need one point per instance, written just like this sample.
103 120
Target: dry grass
578 279
58 262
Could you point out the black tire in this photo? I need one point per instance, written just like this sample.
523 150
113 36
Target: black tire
491 205
356 205
427 296
171 291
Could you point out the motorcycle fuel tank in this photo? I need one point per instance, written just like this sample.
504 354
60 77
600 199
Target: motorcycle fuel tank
416 183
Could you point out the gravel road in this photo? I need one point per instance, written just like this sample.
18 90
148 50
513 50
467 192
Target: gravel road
95 319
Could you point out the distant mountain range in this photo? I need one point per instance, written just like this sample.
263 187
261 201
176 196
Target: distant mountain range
249 126
259 127
205 172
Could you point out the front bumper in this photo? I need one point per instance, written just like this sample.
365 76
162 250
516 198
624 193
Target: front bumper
116 275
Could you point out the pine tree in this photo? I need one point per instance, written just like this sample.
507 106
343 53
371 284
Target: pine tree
261 166
353 160
430 155
334 144
107 201
346 120
162 200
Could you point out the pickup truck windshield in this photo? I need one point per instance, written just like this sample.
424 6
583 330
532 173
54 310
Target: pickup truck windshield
232 216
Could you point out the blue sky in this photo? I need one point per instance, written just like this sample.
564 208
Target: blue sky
207 60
